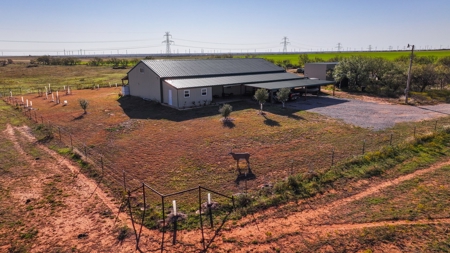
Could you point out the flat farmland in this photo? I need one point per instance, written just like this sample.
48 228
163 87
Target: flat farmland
389 55
18 75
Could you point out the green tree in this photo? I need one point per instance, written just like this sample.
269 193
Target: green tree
261 95
225 111
283 95
97 61
83 104
443 75
423 76
444 61
303 59
44 60
356 69
393 81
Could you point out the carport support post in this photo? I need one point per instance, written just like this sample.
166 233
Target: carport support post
71 144
414 132
390 141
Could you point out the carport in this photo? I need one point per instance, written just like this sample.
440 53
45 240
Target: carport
297 83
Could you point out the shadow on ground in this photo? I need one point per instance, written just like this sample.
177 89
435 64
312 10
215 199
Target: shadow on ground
138 108
244 175
311 102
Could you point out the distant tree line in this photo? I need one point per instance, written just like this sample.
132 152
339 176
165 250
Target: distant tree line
96 61
49 60
114 62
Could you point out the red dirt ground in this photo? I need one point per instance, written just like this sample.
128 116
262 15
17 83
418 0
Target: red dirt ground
81 214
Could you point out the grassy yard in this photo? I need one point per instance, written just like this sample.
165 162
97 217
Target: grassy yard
25 80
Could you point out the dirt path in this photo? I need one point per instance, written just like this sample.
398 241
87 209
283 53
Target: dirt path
53 198
90 184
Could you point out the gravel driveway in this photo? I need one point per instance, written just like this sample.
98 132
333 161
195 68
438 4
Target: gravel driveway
368 114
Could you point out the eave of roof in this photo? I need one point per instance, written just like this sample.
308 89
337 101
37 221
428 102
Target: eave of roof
290 84
230 80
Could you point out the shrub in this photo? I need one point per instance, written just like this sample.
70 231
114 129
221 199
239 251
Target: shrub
84 104
225 111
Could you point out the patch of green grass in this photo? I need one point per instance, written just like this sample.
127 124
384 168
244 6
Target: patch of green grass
30 234
387 55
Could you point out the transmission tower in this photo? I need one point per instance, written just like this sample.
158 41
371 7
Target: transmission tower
339 46
285 42
167 41
370 48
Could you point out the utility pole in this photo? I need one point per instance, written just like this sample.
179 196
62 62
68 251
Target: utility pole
167 41
409 73
285 42
339 46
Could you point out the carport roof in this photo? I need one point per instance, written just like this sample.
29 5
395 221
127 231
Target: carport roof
230 80
290 84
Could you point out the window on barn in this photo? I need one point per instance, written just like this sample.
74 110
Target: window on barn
204 91
187 93
141 70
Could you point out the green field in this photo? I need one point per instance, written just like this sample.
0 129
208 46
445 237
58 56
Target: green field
387 55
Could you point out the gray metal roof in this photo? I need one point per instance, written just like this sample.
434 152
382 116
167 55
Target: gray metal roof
230 80
290 84
210 67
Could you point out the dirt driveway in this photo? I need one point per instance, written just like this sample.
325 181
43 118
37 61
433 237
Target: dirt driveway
372 115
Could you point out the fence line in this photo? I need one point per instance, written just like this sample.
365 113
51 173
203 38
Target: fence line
131 184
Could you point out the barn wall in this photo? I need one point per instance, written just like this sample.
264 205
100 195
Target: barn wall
195 95
316 71
166 88
144 84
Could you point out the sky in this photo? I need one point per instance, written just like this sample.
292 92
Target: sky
55 27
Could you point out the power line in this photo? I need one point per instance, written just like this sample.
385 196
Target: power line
220 43
285 42
167 41
55 42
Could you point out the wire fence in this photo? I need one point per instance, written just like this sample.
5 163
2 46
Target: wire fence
12 91
149 207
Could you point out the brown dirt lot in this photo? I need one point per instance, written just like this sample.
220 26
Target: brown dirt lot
176 150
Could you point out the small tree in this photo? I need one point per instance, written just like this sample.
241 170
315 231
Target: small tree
283 95
225 111
84 104
261 95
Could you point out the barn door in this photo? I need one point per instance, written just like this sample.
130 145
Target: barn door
170 97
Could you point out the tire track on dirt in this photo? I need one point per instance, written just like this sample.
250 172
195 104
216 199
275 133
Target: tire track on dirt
9 131
302 221
92 185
